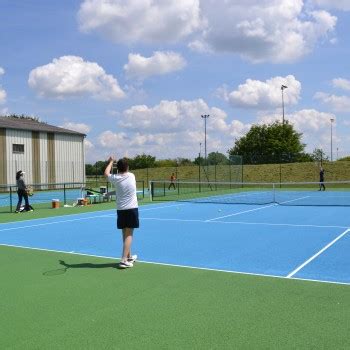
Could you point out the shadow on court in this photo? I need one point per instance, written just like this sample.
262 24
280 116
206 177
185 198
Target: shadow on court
67 266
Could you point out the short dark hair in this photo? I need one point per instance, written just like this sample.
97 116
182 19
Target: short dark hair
122 165
19 174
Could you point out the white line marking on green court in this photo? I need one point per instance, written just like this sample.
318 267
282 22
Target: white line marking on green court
317 254
179 266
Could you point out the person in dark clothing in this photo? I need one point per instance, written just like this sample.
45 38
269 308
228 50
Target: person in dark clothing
22 192
322 186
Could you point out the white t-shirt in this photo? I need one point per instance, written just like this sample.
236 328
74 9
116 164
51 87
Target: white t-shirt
125 188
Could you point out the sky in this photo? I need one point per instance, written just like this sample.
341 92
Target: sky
137 75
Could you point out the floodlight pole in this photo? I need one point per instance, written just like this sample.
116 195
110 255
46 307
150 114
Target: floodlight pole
205 117
332 120
282 88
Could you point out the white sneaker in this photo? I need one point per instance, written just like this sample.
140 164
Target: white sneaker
125 264
132 259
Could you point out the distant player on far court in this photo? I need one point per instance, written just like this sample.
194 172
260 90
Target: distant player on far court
322 186
127 206
172 181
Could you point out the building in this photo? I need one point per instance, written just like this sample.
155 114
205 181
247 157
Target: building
48 154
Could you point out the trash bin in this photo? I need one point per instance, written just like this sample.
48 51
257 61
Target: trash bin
55 203
103 189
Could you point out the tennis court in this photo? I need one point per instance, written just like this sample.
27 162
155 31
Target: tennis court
196 259
273 240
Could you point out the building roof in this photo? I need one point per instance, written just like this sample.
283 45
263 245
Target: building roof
33 125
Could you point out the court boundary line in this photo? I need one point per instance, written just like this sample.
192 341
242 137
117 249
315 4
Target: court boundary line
245 223
180 266
291 274
255 209
243 212
69 220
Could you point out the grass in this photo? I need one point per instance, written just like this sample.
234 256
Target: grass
44 210
93 305
291 172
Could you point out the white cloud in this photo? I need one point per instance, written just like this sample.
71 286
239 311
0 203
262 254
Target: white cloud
331 4
341 83
263 30
160 63
258 30
314 125
145 21
88 145
3 94
71 76
79 127
337 103
172 129
264 95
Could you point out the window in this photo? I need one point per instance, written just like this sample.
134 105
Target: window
16 148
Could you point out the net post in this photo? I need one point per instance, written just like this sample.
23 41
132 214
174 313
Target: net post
150 187
274 192
164 188
10 199
64 194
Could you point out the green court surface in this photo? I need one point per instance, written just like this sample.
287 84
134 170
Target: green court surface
94 305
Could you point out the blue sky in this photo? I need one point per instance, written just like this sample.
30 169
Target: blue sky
136 75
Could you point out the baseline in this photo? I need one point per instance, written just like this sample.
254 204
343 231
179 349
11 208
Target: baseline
181 266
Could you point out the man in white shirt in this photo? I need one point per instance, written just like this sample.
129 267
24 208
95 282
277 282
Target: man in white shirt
127 206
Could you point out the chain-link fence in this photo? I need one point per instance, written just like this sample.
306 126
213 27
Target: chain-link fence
68 194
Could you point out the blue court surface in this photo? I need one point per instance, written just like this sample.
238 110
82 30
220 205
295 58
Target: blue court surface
311 243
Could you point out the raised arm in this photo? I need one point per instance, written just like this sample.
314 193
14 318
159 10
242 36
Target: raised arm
109 166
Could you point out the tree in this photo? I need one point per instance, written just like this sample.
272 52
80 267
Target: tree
142 161
89 169
269 143
184 161
318 155
216 158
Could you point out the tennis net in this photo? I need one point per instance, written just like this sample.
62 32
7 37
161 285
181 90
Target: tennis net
288 193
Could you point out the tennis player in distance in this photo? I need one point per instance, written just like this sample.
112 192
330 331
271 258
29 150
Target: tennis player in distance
127 206
322 186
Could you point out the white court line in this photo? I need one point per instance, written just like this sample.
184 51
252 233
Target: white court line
87 213
244 223
180 266
243 212
317 254
72 220
264 207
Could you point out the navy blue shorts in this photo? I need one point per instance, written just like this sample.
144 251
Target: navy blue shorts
128 218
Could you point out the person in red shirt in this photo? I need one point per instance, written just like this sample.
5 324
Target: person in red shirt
172 181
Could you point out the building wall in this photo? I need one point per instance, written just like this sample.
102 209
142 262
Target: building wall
16 161
69 158
47 158
3 159
43 158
